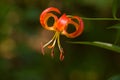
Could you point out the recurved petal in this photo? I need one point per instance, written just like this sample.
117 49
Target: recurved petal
61 23
44 23
45 15
78 26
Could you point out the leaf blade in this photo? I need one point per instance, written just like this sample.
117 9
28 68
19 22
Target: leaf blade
116 26
104 45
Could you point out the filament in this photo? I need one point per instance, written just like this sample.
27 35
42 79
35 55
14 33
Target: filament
52 44
58 41
50 41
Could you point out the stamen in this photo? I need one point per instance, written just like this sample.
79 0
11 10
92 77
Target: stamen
61 54
42 49
51 46
59 46
50 41
56 37
61 57
43 46
52 52
58 40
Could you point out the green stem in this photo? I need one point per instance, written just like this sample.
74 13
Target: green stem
117 19
114 8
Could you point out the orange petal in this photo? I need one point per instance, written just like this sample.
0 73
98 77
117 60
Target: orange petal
45 15
79 27
45 25
61 23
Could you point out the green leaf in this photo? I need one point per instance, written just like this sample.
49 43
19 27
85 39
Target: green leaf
104 45
114 8
116 26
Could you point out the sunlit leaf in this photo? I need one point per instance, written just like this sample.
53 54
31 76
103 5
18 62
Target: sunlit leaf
104 45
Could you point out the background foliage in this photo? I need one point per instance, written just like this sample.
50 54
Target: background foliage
21 34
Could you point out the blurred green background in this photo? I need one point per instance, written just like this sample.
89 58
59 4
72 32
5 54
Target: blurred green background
21 35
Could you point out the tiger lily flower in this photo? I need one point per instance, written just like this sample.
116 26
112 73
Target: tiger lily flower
59 26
